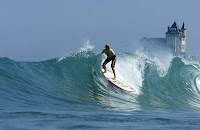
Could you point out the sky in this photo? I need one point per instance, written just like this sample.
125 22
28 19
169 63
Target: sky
35 30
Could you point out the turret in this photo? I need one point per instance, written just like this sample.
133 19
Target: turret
183 29
183 38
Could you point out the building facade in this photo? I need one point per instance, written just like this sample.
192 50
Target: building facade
175 39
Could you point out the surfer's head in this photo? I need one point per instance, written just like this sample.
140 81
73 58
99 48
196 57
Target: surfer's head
107 46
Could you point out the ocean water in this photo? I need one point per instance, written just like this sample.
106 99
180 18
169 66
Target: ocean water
71 92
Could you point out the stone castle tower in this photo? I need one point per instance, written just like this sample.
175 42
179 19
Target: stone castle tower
176 39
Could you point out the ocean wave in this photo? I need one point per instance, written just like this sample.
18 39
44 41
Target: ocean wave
161 83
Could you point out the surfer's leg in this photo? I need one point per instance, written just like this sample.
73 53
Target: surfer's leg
113 67
104 65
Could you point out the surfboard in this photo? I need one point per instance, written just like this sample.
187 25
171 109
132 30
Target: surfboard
118 82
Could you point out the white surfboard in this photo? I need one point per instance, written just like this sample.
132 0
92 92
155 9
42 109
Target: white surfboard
118 82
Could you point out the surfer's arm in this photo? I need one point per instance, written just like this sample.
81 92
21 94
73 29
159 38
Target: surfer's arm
103 51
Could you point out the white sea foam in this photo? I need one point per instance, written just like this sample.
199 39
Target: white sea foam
161 58
131 70
86 47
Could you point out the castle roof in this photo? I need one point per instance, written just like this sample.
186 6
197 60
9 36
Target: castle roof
174 29
175 25
183 27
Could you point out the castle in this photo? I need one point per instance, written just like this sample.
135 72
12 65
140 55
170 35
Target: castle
175 39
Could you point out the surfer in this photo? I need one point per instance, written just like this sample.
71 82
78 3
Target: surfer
110 56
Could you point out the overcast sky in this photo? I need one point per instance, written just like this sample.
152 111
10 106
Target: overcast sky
44 29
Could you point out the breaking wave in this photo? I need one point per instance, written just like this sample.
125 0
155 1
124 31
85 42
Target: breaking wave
162 82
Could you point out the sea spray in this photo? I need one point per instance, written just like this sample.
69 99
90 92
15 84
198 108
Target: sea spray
161 58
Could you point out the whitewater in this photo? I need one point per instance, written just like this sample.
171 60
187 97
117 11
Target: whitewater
70 92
